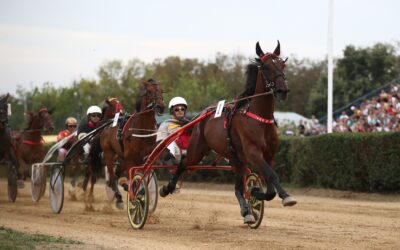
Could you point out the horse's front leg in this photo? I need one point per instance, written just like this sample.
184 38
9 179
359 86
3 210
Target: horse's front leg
93 180
74 175
248 218
272 180
170 187
111 176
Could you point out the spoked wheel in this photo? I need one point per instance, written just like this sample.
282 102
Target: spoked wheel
56 191
12 183
138 205
256 206
153 192
38 181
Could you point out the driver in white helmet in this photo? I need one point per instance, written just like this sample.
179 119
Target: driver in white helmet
94 115
177 108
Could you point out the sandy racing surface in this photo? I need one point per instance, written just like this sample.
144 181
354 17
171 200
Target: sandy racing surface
208 218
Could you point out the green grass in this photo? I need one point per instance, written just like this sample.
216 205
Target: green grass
11 239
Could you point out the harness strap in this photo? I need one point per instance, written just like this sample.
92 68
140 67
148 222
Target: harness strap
258 118
37 143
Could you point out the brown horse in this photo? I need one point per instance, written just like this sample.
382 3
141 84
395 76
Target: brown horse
250 137
30 146
110 109
132 148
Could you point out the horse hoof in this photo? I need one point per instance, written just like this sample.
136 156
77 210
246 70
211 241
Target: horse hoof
122 181
163 192
257 193
249 219
177 191
289 201
270 196
20 184
125 186
119 205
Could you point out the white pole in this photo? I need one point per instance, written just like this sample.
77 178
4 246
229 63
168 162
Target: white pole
330 66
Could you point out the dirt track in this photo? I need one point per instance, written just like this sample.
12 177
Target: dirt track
199 219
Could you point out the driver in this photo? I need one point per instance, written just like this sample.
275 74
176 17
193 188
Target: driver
177 108
70 128
92 149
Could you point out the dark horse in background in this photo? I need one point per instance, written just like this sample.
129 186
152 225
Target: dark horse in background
250 137
7 145
30 144
137 141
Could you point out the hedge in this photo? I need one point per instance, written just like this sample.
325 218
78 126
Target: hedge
351 161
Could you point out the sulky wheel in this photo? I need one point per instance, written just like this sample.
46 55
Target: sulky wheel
38 178
12 183
56 190
138 206
256 206
153 192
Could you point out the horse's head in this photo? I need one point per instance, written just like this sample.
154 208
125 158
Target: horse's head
44 119
113 106
152 93
3 111
272 67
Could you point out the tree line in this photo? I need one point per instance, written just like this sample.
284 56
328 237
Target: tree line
204 83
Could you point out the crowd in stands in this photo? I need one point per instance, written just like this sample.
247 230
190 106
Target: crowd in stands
378 114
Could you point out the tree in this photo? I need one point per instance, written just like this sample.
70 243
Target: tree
360 71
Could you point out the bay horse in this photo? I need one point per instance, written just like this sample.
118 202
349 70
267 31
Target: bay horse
110 109
7 145
250 137
132 149
30 146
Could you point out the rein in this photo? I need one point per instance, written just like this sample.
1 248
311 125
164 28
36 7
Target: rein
31 130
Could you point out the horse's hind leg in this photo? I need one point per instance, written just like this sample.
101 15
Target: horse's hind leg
21 174
74 176
248 218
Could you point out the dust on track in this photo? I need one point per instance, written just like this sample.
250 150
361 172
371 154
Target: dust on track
207 217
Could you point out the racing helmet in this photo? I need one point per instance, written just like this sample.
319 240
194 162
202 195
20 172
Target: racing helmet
93 110
177 101
71 121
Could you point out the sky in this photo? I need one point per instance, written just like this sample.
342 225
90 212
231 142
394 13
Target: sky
61 41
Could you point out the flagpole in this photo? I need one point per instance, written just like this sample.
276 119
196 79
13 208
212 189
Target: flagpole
330 67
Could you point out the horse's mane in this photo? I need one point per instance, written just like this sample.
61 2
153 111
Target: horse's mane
138 104
251 79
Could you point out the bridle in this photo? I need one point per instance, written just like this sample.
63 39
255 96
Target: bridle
42 122
153 97
270 84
